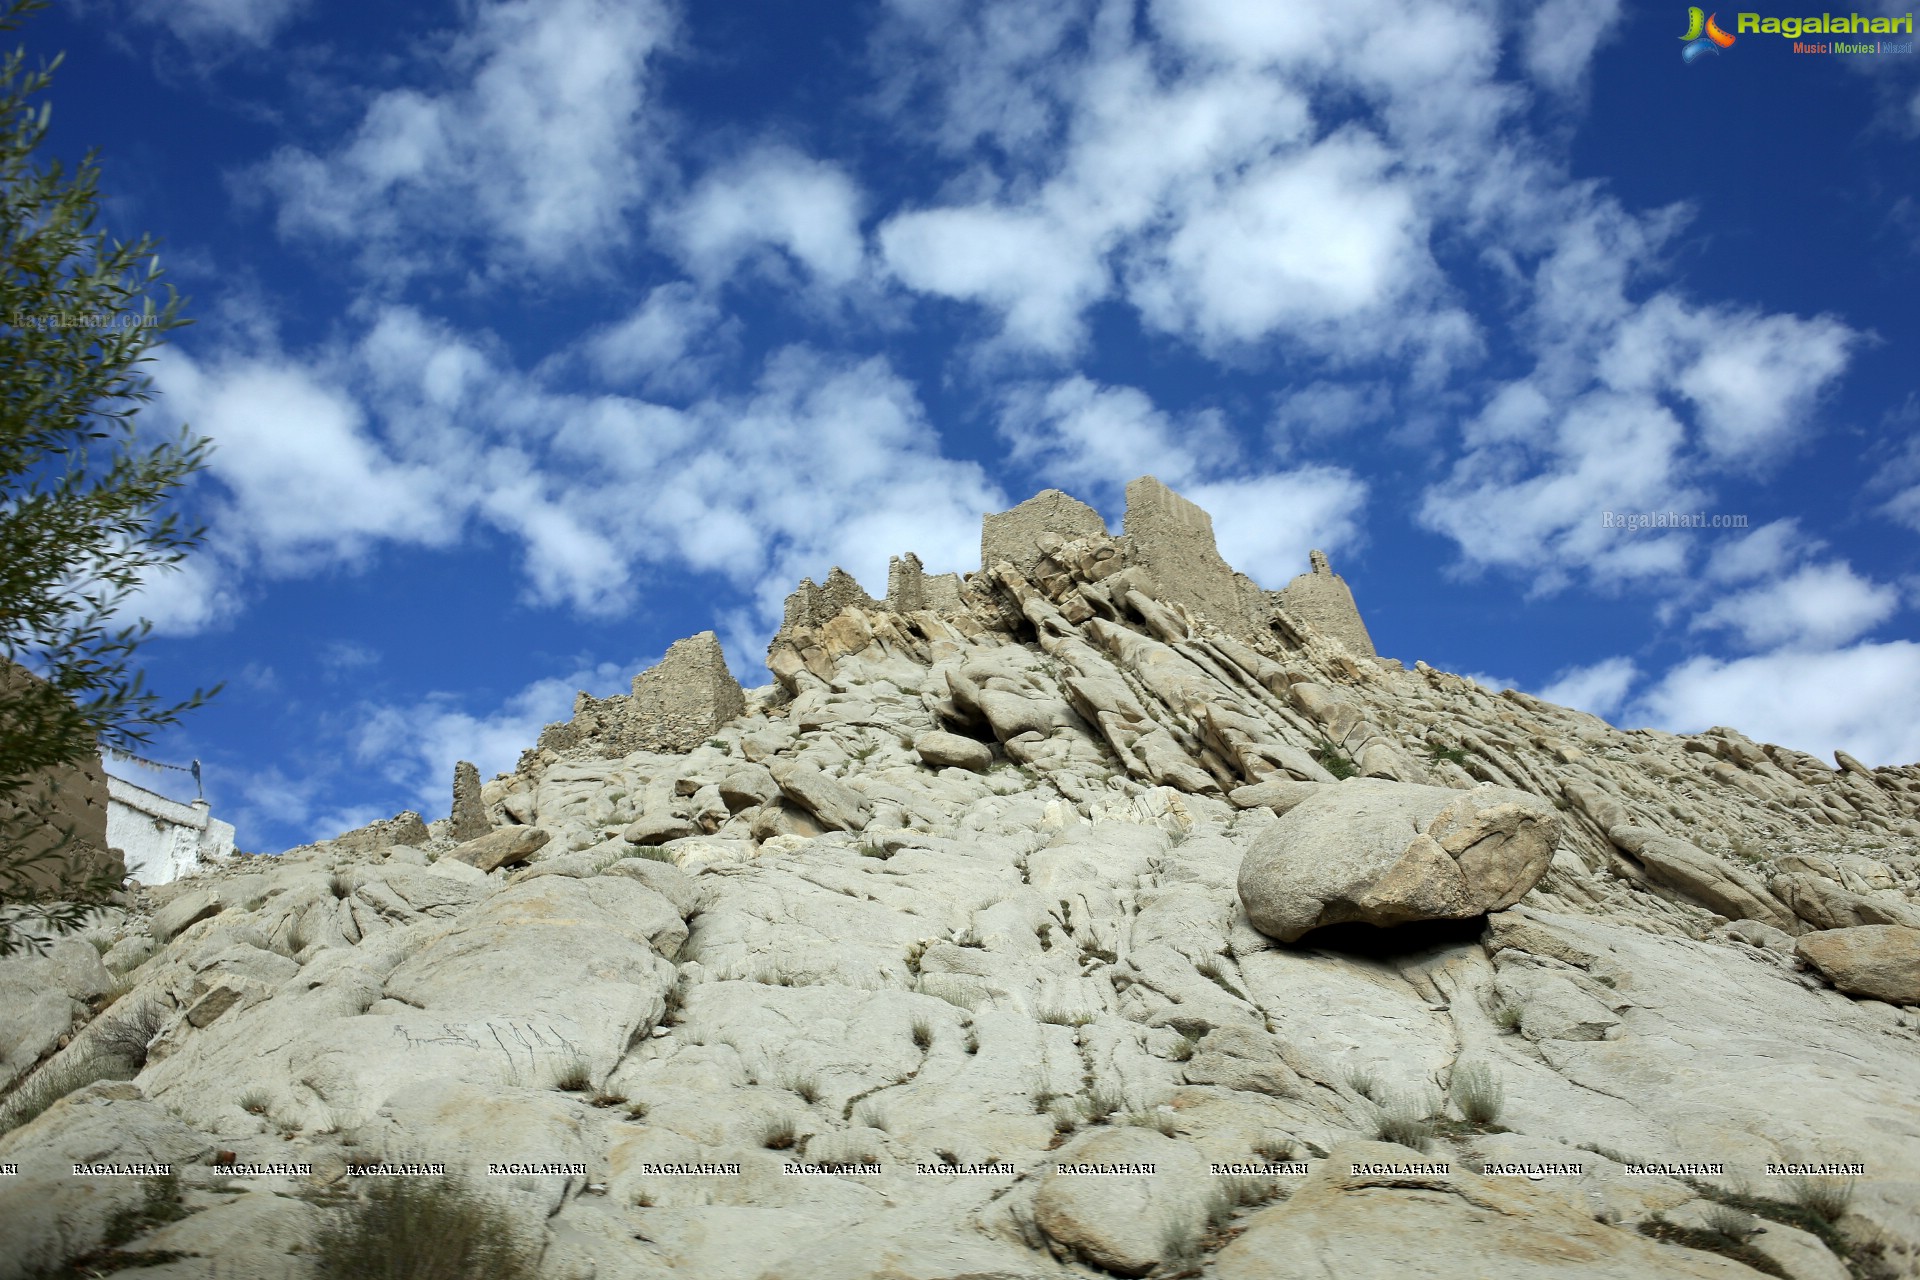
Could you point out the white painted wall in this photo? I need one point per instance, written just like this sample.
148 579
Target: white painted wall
161 838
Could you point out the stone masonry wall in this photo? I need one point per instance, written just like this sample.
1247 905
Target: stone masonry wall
1014 535
675 706
1172 539
1321 599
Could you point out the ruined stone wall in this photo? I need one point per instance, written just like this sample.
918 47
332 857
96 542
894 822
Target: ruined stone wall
676 705
690 693
1172 539
56 800
1321 599
1014 535
910 587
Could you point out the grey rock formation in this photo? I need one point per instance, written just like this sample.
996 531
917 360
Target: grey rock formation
968 978
1386 853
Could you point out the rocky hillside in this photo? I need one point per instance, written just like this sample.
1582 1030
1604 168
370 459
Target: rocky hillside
1099 914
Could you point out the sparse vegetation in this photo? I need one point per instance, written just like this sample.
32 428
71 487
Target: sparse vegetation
922 1034
1183 1051
1181 1251
1275 1148
422 1229
1334 760
1477 1093
1401 1122
1165 1123
52 1082
1709 1240
806 1087
340 885
1364 1082
573 1076
1453 755
777 1133
1826 1197
1508 1017
255 1102
1060 1016
872 1114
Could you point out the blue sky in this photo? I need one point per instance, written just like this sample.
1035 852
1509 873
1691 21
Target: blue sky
535 336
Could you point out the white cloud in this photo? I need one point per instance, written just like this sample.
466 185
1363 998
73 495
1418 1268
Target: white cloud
214 30
308 479
1562 36
1537 509
1859 699
1766 552
1265 525
670 343
1306 240
540 151
774 197
1038 274
1818 606
1600 688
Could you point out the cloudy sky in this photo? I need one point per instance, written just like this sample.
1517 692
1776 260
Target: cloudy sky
533 335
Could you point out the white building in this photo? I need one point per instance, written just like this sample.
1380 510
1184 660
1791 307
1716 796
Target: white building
162 839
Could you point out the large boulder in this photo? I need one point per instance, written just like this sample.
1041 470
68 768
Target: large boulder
1880 961
835 804
503 848
950 750
1387 853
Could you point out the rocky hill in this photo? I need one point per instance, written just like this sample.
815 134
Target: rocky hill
1102 913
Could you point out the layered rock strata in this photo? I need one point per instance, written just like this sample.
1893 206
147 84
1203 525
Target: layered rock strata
931 960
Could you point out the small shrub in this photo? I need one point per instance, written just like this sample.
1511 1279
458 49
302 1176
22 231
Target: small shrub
1436 753
1183 1052
638 1110
604 1099
1165 1123
1334 760
873 1115
422 1229
653 853
807 1087
1508 1017
159 1205
573 1076
922 1034
128 1035
340 885
777 1133
1363 1082
1251 1189
1477 1093
1101 1103
1181 1252
1401 1123
874 851
1066 1116
1736 1225
1062 1017
1826 1197
1274 1148
255 1102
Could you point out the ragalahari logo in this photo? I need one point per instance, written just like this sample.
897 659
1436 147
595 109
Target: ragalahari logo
1713 39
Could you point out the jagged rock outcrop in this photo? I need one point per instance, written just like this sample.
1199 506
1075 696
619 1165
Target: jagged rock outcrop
774 939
